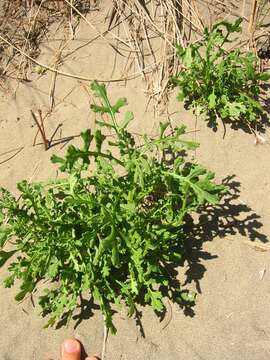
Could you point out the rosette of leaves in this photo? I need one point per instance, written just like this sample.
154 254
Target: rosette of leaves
111 230
220 82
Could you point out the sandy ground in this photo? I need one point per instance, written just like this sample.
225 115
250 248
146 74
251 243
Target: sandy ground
231 318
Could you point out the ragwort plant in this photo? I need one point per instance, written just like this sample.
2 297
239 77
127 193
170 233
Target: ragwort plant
110 231
218 82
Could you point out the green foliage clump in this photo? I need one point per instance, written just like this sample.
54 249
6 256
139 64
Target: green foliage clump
109 230
218 82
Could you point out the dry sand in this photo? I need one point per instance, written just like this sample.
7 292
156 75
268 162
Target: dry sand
231 318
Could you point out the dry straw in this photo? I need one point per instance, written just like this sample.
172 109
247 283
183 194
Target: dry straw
144 33
153 29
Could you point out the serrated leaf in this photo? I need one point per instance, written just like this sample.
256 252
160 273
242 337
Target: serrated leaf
263 76
188 57
129 116
120 103
108 242
156 300
100 109
236 25
9 281
187 297
163 127
57 159
235 109
190 145
231 27
99 137
180 130
26 288
180 49
212 100
102 123
98 89
180 97
250 71
87 139
115 256
72 180
5 256
4 235
196 171
53 268
203 195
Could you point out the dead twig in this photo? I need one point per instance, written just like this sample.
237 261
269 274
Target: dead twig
170 316
57 63
253 16
40 126
256 246
73 76
12 156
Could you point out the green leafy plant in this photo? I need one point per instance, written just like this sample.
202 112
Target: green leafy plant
220 82
112 226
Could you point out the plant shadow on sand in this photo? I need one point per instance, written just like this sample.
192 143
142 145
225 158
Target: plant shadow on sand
261 125
229 218
86 310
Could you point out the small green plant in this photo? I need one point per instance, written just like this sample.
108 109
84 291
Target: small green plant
219 82
109 230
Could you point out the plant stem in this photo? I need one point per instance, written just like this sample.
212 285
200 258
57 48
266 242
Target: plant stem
105 337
